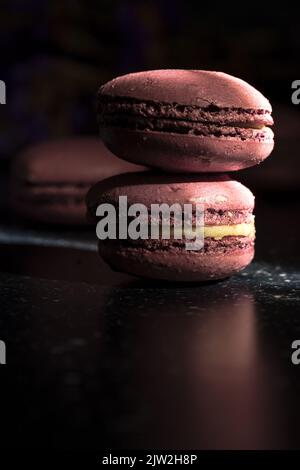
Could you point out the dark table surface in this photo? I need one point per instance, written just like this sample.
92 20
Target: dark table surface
97 359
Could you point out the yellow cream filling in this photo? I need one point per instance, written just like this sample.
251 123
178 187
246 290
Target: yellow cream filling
219 231
238 230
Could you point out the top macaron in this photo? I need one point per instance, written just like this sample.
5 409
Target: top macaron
185 120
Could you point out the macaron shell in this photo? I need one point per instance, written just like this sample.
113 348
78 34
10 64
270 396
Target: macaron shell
181 265
71 213
190 87
185 153
216 191
82 160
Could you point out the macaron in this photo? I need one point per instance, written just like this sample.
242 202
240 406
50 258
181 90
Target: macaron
49 181
228 226
185 120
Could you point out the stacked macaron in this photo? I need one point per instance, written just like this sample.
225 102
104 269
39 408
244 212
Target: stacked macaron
195 123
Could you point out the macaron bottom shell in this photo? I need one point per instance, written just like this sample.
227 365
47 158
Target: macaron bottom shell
177 264
185 153
62 213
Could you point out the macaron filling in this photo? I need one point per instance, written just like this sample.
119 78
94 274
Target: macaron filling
220 231
51 193
212 231
183 119
217 233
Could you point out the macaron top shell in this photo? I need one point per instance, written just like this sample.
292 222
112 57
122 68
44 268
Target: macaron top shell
219 192
199 88
81 160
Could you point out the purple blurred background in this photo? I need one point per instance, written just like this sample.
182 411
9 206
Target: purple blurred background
55 54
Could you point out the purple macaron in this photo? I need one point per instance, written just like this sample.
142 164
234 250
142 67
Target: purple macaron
228 226
49 180
185 120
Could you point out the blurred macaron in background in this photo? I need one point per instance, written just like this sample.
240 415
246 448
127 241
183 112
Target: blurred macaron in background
49 180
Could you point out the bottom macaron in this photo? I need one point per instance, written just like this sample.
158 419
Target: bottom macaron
227 226
178 264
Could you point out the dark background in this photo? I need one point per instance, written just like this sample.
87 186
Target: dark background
55 54
130 364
